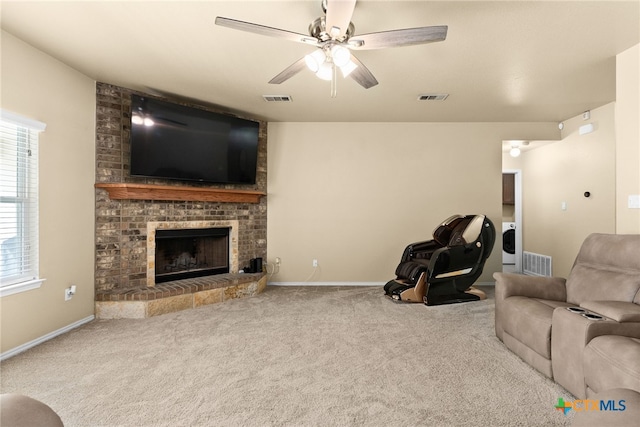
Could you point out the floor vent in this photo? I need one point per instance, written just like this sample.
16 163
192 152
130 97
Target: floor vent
433 97
536 264
277 98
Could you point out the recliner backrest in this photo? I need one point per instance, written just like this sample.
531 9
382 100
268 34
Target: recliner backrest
607 268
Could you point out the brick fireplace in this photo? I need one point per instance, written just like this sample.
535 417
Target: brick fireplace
190 249
126 225
185 253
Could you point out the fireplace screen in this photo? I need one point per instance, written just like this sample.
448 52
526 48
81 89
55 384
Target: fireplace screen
193 252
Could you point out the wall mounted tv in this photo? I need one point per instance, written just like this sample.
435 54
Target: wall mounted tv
177 142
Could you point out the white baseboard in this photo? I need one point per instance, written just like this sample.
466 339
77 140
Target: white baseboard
484 284
381 284
24 347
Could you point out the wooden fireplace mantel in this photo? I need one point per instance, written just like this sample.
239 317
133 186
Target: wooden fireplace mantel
120 191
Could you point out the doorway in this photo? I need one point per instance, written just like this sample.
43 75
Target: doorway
511 236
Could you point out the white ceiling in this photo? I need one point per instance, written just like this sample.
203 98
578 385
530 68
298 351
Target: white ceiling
502 61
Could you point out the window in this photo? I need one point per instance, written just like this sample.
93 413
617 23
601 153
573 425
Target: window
18 203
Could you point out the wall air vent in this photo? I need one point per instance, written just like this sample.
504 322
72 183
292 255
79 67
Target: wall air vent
277 98
536 265
433 97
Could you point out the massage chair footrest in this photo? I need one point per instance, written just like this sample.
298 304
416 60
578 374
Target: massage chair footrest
408 292
395 288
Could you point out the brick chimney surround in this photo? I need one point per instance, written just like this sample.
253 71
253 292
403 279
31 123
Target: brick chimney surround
129 210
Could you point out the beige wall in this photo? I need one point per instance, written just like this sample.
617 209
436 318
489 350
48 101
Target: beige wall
562 172
628 139
606 163
38 86
353 195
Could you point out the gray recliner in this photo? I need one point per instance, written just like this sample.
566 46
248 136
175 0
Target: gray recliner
17 410
583 331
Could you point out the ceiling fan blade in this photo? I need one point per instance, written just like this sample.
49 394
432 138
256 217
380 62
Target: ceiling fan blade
289 72
339 13
362 75
395 38
265 31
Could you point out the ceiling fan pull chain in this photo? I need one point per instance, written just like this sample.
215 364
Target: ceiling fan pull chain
334 89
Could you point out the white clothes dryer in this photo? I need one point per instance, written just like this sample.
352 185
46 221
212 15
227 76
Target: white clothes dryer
508 242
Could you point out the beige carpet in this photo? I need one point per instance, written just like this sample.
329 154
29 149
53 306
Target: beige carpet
292 356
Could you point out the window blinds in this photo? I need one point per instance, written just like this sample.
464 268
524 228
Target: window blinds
18 198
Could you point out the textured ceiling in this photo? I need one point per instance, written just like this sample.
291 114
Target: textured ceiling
514 61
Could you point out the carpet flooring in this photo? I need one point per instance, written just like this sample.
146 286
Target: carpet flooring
291 356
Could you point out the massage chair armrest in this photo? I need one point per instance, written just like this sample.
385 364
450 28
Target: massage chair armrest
417 250
454 261
549 288
620 311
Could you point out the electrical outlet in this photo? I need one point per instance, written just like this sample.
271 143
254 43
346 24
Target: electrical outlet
278 260
315 263
69 292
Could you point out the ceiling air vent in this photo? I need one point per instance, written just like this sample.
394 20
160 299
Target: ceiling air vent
433 97
277 98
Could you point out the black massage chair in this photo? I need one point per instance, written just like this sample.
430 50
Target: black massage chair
442 270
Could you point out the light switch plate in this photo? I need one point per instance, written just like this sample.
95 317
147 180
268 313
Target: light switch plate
634 201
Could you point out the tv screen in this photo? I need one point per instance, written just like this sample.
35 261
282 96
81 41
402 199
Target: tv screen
183 143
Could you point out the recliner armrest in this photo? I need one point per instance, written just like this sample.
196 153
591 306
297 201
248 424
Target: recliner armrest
549 288
620 311
571 333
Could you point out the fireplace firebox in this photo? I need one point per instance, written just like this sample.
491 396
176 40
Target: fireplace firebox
189 253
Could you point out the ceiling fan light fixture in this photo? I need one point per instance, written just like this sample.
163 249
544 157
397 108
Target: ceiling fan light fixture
325 72
332 34
315 60
341 55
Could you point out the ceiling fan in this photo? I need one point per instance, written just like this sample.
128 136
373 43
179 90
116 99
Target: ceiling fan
333 35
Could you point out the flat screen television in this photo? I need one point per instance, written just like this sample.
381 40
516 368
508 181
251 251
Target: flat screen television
177 142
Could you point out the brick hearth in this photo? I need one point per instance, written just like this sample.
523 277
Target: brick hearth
177 295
